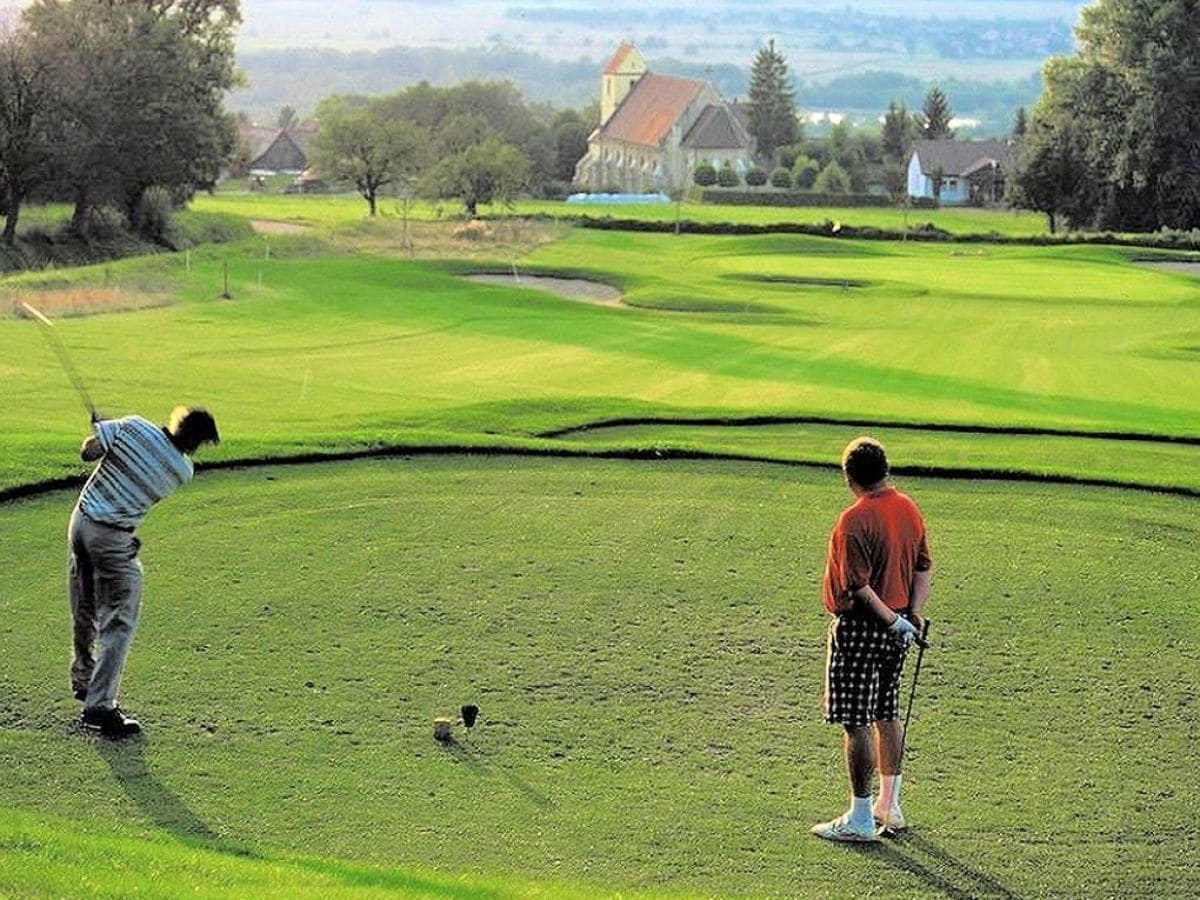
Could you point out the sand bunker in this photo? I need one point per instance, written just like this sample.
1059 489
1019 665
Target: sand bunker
568 288
1187 268
264 226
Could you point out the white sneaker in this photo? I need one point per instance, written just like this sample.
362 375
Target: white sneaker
891 822
842 829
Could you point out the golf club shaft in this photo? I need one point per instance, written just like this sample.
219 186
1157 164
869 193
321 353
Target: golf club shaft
922 643
64 359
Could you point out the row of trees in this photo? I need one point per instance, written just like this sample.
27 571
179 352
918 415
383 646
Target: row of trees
1112 142
114 102
775 127
477 142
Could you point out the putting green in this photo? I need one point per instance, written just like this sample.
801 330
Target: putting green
645 644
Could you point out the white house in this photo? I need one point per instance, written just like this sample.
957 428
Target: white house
968 171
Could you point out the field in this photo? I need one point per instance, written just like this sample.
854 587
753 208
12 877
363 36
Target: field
606 526
343 209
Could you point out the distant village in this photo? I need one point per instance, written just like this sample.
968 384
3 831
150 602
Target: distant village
657 131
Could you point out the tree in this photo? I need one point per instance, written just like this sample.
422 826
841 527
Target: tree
705 174
287 118
895 179
492 170
773 122
1052 174
805 171
727 176
757 177
1140 61
138 87
781 178
898 132
1020 123
936 116
569 133
368 148
832 180
24 137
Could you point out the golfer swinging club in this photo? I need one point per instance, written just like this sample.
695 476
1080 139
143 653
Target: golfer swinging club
140 464
877 579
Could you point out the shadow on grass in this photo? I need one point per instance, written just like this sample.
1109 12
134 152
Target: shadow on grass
160 804
941 871
365 877
476 763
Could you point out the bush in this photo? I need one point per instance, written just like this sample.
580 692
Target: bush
727 177
832 180
781 178
705 175
104 222
806 198
152 215
804 172
474 230
756 177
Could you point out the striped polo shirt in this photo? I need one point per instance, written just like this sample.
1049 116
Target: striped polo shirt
140 467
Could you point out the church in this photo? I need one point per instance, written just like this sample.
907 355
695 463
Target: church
655 129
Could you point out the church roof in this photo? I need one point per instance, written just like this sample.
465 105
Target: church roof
650 111
717 129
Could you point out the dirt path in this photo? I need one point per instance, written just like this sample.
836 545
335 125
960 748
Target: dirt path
568 288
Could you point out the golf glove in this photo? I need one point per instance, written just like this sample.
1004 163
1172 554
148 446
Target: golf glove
903 631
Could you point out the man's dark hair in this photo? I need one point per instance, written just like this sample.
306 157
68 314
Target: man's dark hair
192 426
865 462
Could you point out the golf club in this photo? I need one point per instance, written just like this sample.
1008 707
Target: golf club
60 350
921 643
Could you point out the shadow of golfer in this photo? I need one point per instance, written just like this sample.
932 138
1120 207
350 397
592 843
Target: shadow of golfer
476 763
961 882
127 761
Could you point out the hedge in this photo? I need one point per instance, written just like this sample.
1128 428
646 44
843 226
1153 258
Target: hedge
808 198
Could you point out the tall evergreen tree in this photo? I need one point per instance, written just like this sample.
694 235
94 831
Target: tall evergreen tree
898 129
1020 123
773 121
936 116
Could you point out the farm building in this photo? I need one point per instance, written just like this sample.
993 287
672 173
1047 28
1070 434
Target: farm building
655 129
969 171
271 151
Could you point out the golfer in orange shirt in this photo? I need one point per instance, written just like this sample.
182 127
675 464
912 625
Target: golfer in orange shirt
877 579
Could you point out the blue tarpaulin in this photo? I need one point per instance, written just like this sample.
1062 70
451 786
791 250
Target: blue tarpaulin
658 197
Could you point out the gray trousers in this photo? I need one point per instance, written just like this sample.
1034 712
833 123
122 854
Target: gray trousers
104 577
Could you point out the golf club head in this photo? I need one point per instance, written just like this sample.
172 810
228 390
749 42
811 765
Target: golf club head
470 712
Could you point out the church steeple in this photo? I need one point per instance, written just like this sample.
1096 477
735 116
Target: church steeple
620 74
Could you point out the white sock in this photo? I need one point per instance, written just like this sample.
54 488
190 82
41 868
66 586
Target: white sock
860 812
889 793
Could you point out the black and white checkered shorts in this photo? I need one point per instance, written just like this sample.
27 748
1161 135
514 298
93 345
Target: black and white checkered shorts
862 672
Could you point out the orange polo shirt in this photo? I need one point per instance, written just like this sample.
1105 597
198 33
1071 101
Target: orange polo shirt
879 541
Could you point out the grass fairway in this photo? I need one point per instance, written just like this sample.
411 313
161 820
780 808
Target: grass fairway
350 352
645 643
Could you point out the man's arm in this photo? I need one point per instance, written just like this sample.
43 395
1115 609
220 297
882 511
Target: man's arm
919 592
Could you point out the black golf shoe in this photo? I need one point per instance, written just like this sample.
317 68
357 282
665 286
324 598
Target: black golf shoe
111 723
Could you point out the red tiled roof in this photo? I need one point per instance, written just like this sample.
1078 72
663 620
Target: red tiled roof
651 109
614 63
